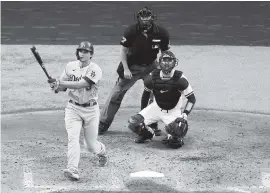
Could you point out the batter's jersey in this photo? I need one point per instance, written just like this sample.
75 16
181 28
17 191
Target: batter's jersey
75 72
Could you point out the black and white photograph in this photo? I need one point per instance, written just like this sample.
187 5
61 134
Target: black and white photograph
135 96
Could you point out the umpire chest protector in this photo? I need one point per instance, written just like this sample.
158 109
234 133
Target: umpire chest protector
166 92
145 46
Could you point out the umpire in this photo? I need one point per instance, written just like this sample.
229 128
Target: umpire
141 44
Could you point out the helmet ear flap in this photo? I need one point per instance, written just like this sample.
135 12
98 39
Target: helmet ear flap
77 54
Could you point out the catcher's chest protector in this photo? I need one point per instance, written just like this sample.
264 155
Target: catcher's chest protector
166 91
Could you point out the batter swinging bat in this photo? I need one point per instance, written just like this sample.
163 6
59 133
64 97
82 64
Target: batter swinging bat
40 62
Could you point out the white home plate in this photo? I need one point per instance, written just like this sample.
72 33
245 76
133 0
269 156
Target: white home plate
146 174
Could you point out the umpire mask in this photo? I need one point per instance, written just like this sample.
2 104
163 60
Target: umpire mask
145 18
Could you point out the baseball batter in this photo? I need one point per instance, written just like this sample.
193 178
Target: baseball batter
82 78
167 86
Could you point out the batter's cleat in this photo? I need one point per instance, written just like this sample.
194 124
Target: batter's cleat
72 174
102 128
102 160
173 142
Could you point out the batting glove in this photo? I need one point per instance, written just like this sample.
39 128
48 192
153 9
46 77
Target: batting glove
184 115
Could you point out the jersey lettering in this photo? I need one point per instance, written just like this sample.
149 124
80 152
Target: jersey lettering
75 78
93 74
123 40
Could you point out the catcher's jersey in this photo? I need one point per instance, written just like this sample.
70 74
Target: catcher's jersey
166 97
184 86
74 72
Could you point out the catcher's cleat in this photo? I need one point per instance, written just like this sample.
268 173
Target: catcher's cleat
173 142
102 128
102 160
157 131
72 174
143 138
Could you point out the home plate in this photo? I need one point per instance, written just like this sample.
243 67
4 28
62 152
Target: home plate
146 174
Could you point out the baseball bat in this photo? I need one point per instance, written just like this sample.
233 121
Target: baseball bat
40 62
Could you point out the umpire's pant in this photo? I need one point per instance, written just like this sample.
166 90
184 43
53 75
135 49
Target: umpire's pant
119 90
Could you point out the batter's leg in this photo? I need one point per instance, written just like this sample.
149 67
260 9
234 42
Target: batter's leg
73 124
90 127
113 102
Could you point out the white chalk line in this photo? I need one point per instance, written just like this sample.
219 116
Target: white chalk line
121 189
27 177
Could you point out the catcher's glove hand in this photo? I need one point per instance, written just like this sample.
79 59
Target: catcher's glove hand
177 128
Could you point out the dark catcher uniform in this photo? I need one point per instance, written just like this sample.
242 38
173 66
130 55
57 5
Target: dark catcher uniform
143 48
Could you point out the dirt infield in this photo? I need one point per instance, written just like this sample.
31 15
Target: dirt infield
223 152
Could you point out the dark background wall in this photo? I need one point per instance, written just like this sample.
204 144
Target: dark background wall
193 23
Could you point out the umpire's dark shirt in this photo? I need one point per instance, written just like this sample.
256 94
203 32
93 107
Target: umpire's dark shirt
144 47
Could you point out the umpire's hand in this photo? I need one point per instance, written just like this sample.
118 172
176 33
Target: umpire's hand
127 74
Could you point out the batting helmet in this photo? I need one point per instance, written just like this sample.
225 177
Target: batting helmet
85 46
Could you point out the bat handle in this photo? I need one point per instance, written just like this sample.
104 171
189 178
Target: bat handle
49 77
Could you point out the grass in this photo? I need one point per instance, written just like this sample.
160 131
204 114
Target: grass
223 77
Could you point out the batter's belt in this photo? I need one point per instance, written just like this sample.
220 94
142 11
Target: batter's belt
89 104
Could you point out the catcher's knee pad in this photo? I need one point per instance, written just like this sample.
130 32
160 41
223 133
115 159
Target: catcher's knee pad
136 123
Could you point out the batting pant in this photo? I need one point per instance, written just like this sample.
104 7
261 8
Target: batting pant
76 118
114 101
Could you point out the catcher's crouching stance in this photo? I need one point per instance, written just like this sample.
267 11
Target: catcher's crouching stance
167 85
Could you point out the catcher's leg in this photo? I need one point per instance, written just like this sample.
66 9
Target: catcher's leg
145 94
154 126
139 123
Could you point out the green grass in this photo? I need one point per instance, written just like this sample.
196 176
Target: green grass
223 77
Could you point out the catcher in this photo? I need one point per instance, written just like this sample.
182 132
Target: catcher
167 86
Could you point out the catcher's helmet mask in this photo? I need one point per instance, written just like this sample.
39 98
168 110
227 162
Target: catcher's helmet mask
167 62
145 18
86 46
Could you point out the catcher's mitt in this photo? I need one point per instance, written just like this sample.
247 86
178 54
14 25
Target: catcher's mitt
178 128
